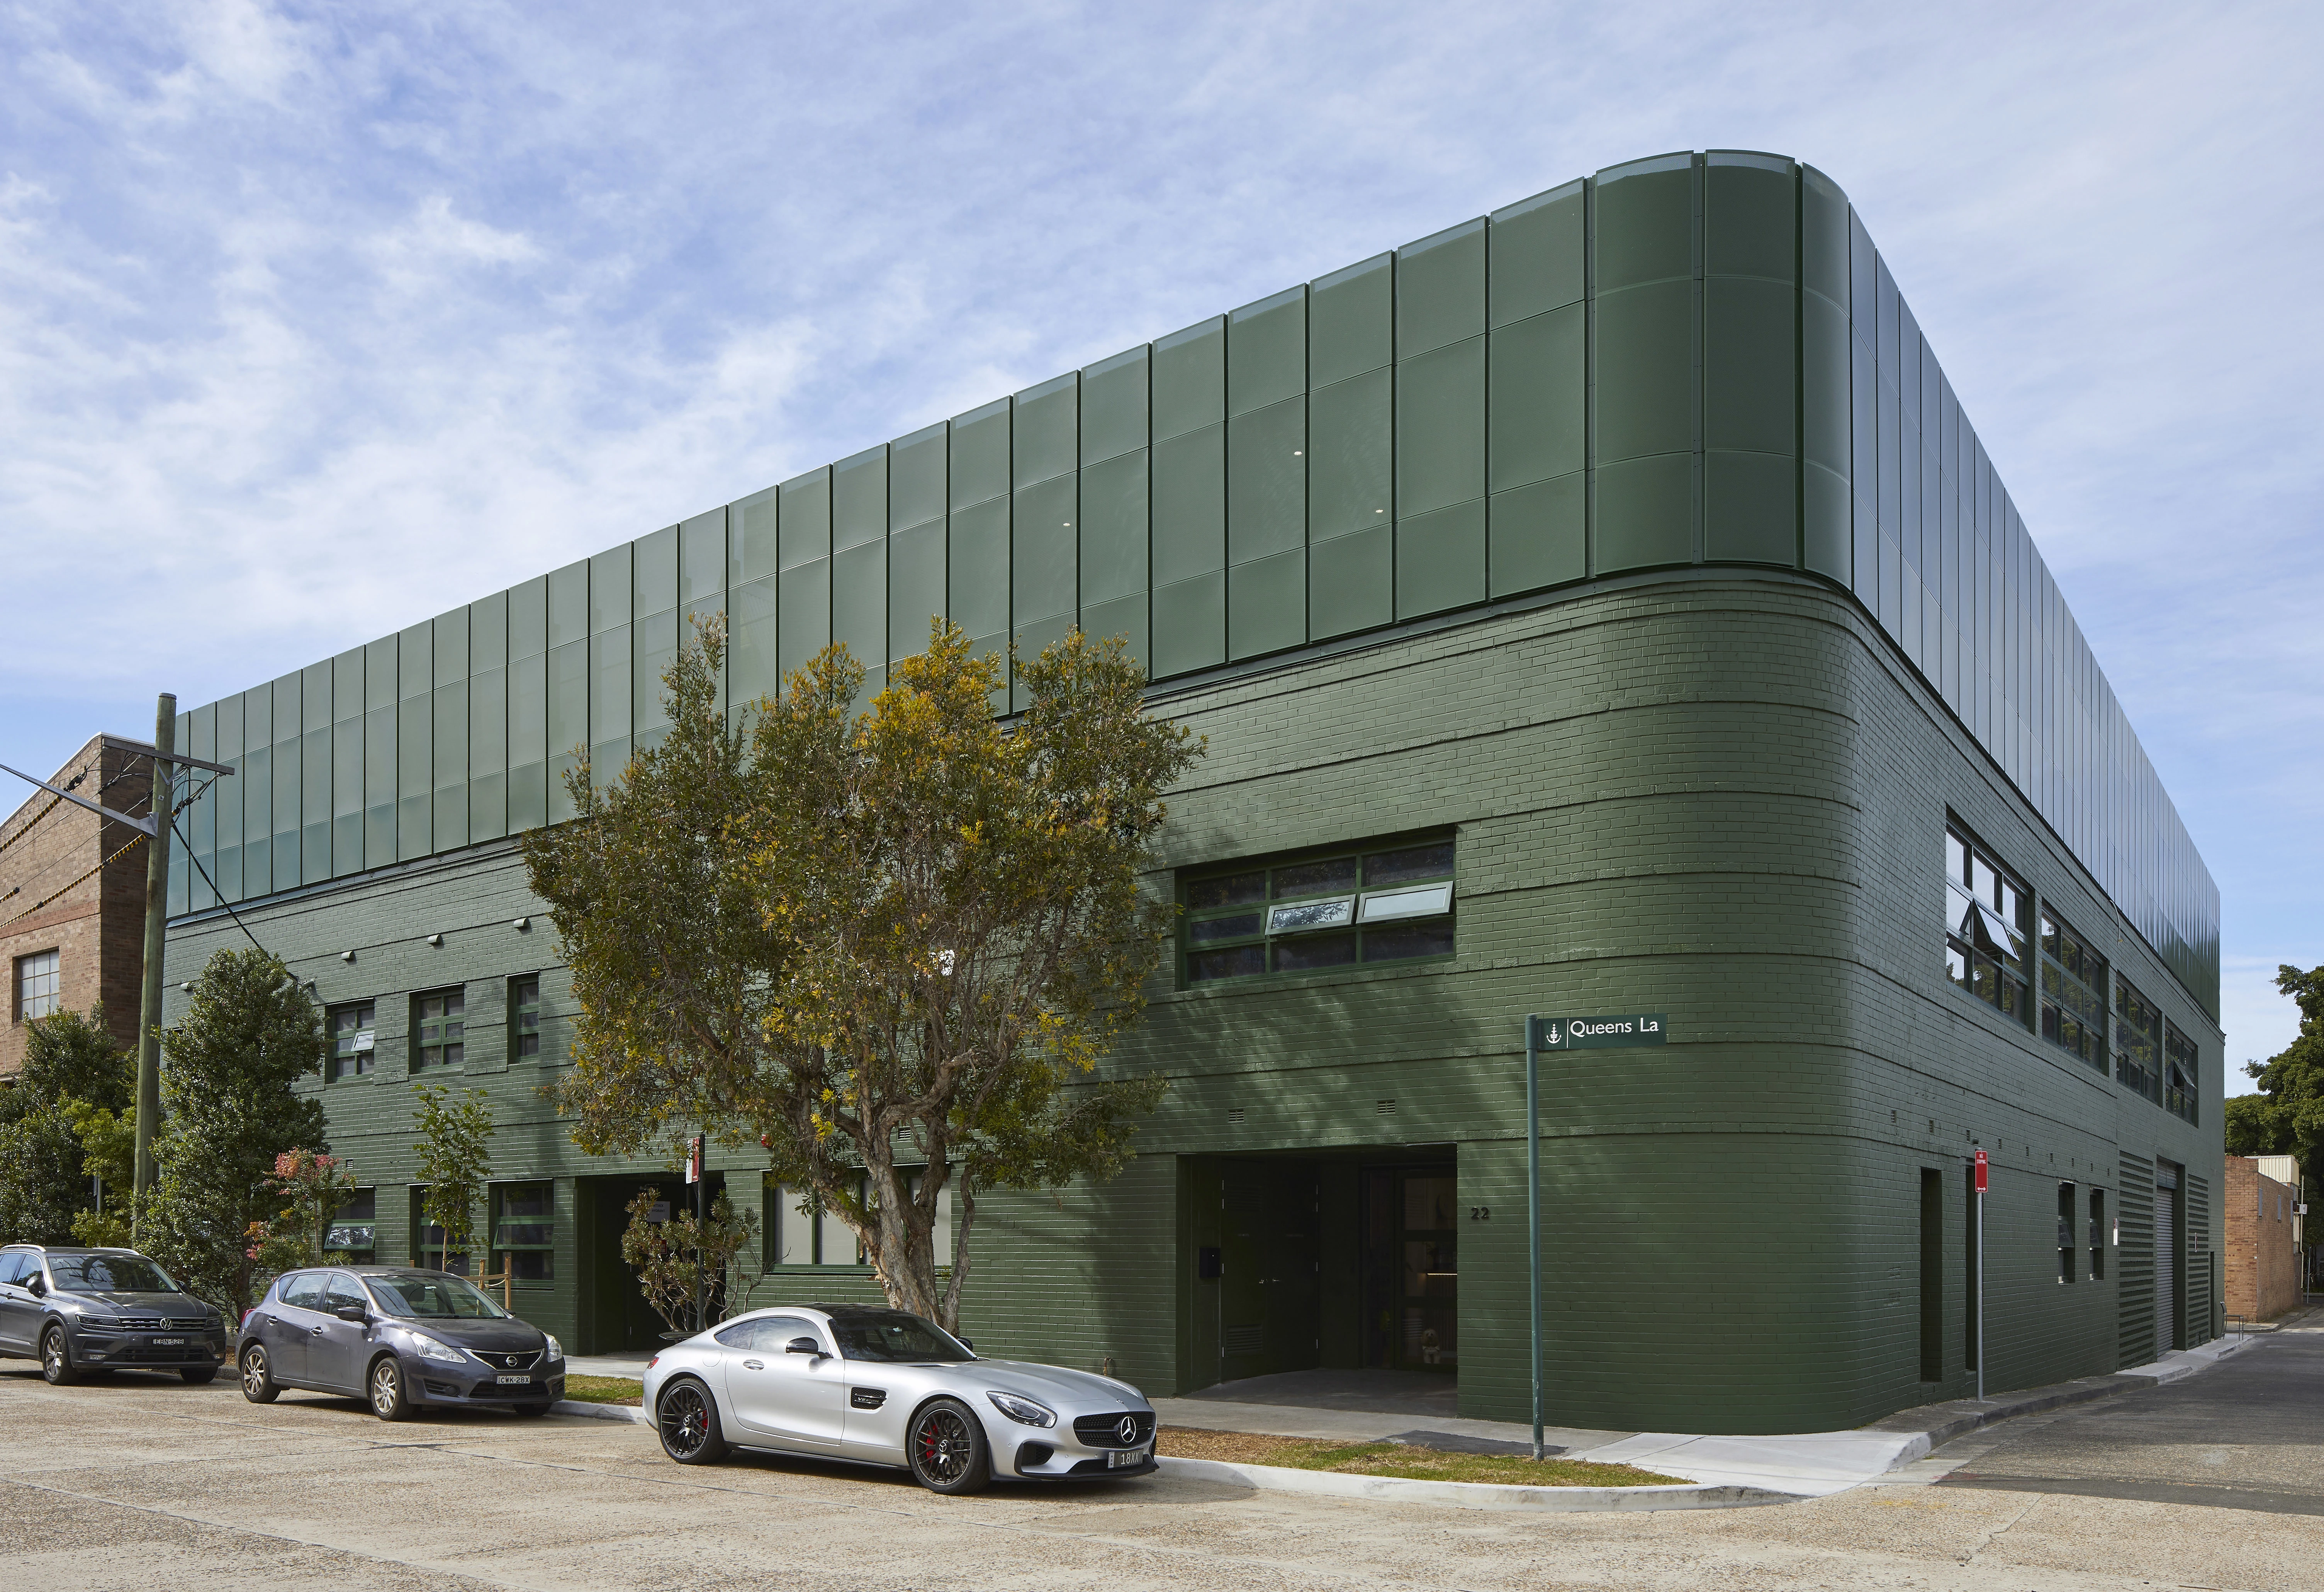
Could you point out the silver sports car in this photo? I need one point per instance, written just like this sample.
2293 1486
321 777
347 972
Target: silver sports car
884 1387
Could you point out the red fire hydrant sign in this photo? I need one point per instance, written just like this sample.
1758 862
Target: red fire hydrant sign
1981 1172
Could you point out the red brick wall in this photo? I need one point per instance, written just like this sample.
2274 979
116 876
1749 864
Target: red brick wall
2263 1266
96 925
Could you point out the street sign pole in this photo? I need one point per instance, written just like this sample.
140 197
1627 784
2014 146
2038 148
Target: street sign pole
1533 1210
694 1174
1980 1276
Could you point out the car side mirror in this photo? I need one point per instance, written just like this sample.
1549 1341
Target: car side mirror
354 1313
37 1286
969 1344
804 1345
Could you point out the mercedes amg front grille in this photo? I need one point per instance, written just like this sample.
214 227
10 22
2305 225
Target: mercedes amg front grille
1108 1432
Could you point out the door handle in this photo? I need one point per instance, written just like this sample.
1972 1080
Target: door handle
318 1332
754 1365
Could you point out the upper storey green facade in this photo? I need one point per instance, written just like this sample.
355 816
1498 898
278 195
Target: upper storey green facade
1690 360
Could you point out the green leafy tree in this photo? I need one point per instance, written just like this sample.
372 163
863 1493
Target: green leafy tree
2286 1117
71 1067
891 946
311 1186
668 1255
455 1162
230 1108
108 1144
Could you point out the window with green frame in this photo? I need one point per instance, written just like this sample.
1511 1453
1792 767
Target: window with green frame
1390 902
525 1230
2181 1072
427 1238
1987 928
2073 991
438 1026
2137 1041
353 1227
352 1031
524 1017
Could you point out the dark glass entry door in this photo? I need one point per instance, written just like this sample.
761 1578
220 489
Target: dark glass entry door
1412 1271
1267 1293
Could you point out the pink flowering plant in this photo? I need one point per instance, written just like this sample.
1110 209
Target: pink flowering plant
311 1185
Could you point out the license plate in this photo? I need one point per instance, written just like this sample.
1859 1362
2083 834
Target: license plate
517 1381
167 1342
1124 1459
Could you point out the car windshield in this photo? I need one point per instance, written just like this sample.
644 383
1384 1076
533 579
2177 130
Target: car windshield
432 1296
896 1338
109 1273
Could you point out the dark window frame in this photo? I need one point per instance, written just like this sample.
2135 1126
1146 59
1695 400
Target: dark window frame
2182 1074
357 1054
1335 888
2069 1259
528 1233
359 1211
2137 1041
2071 1000
439 1039
1981 892
524 1017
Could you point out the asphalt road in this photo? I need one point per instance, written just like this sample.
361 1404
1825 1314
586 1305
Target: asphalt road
141 1484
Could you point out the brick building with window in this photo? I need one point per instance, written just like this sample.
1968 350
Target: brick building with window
2263 1239
1602 606
72 895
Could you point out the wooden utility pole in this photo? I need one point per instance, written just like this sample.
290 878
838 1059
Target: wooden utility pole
157 913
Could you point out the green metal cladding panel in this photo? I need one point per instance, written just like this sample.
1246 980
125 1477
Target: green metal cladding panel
1695 359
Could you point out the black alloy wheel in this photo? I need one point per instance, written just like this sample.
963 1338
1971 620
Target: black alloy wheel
689 1422
57 1367
388 1400
948 1451
258 1383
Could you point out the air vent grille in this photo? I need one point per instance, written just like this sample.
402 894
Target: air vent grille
1384 1107
1234 1116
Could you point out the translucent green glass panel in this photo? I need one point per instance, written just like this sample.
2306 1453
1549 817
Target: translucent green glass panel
1748 339
701 557
754 663
1537 407
317 766
1439 559
1047 441
806 532
1750 508
1114 541
610 715
1645 222
978 567
859 604
1537 535
1044 548
753 547
1351 454
379 674
1123 618
980 455
1189 508
568 604
611 573
378 787
1750 216
653 571
415 669
858 499
1114 397
1190 624
527 797
917 477
1351 582
1351 321
1190 380
488 754
655 642
1267 603
568 698
1823 236
1266 352
316 696
285 768
1440 289
528 617
1266 480
415 782
1537 248
1439 412
804 606
1646 512
1646 370
915 586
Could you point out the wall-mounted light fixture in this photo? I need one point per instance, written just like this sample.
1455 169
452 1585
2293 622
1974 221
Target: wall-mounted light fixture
347 955
435 939
522 924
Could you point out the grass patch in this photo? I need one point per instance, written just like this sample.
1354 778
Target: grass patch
604 1390
1400 1459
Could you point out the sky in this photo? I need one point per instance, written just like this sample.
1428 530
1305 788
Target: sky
317 320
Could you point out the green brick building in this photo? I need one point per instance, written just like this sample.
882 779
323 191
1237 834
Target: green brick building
1602 606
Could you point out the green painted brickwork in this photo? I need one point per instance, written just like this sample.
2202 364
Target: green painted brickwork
1688 359
1719 797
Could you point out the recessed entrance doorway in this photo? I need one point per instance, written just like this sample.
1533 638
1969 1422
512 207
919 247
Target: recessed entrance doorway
1343 1262
613 1312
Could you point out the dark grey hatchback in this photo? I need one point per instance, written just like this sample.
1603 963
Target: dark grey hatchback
81 1309
398 1338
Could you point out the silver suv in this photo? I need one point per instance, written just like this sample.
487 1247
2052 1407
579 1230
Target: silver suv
102 1309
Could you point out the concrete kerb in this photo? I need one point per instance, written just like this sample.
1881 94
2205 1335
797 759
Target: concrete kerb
1724 1472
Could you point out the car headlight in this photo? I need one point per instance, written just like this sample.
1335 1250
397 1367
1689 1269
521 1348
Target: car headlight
434 1349
1024 1412
555 1349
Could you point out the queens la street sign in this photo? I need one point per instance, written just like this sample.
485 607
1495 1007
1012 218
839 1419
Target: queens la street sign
1592 1033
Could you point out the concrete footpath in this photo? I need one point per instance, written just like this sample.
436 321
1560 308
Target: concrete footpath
1725 1470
